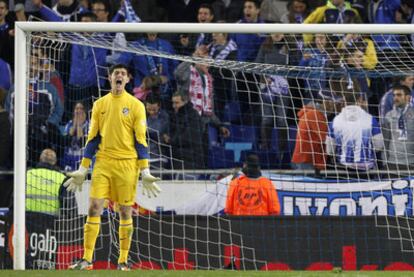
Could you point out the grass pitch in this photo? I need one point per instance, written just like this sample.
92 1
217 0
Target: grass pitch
201 273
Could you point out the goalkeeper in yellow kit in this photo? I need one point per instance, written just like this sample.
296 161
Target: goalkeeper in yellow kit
117 137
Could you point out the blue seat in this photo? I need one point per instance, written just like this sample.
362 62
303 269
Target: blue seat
219 157
241 138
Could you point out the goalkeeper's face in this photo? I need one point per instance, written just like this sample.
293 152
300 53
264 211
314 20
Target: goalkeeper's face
119 78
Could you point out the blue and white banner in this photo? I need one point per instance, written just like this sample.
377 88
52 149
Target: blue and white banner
321 197
298 196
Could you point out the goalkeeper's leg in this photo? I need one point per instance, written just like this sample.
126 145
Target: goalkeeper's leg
125 233
91 228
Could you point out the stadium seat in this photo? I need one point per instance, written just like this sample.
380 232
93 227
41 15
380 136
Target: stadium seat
218 156
241 138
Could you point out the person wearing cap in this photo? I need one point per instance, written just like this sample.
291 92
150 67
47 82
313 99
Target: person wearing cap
309 153
251 193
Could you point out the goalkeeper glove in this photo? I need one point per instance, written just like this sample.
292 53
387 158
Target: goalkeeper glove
148 184
76 179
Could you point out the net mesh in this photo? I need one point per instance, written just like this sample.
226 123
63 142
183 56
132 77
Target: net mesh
245 106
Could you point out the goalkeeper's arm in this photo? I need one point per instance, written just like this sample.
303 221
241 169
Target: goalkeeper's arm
77 177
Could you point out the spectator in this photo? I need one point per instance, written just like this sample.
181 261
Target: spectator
364 44
274 50
274 92
6 153
64 10
335 11
309 153
5 75
227 10
183 45
145 65
387 100
384 12
205 15
158 122
251 193
354 136
6 35
406 15
298 10
6 149
150 85
274 95
84 80
248 44
76 134
315 56
49 72
44 190
186 137
182 10
45 111
353 65
247 48
222 48
197 83
398 130
101 9
269 11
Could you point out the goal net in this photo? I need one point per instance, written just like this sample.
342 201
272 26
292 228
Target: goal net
329 117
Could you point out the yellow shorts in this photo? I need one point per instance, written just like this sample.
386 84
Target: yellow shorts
115 180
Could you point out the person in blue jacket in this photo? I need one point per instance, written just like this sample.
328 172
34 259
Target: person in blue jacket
5 75
383 12
146 65
248 44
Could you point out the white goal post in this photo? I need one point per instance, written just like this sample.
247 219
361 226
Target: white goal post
22 29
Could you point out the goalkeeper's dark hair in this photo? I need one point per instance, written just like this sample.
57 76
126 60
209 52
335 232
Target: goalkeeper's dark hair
118 66
405 89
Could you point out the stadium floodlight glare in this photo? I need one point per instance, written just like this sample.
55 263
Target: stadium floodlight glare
75 33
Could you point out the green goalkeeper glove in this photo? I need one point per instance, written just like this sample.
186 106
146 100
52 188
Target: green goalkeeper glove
150 188
76 179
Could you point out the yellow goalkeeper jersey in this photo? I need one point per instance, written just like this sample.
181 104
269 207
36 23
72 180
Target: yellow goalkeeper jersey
118 129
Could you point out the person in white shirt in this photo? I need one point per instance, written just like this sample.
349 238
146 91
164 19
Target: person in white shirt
354 136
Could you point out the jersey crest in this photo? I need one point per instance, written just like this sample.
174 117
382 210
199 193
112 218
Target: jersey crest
125 111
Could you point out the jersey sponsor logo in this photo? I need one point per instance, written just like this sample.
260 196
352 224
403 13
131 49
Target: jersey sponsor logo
125 111
250 197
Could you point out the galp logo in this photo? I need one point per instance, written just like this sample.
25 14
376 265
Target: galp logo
46 243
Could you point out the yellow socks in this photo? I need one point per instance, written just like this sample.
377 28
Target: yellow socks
90 233
125 235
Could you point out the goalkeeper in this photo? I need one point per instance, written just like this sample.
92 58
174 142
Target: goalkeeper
117 137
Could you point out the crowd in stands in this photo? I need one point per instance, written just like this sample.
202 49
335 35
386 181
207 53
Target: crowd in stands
203 116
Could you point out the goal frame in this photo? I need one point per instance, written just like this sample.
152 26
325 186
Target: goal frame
23 30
